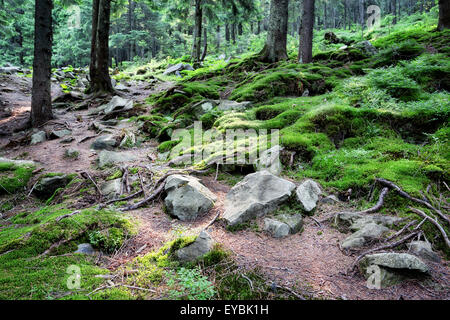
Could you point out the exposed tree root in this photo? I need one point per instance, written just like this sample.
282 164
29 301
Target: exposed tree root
433 221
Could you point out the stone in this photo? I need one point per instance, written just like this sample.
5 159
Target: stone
423 250
10 70
118 104
355 221
308 195
111 189
276 228
107 142
367 48
28 163
47 186
257 194
227 105
85 248
121 87
202 107
110 157
370 231
395 261
72 153
38 137
187 197
270 161
201 246
283 225
178 67
331 199
56 134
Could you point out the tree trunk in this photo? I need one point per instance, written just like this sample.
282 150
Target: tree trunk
227 33
218 37
196 50
99 68
130 28
306 32
205 43
444 15
41 100
233 32
275 48
394 11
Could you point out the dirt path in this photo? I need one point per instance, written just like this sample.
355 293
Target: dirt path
310 261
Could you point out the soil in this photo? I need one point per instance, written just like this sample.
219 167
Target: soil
311 262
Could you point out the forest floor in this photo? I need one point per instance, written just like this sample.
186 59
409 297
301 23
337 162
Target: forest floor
311 263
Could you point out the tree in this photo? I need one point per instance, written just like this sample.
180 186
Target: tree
100 81
275 48
306 32
41 102
444 14
196 49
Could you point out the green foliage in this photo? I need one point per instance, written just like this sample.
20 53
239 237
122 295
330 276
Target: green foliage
14 177
189 284
108 240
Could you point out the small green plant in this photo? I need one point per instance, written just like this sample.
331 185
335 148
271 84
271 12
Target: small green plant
189 284
108 240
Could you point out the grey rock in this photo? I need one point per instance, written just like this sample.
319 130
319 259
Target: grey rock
331 199
187 197
56 134
118 104
276 228
367 48
201 246
121 87
399 261
423 250
371 231
46 187
38 137
85 248
110 157
270 161
308 195
107 142
178 67
226 105
111 189
18 162
10 70
202 107
356 221
294 221
257 194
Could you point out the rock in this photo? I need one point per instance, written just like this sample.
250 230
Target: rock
308 195
10 70
256 195
393 267
355 221
423 250
202 107
107 142
331 37
367 48
46 187
56 134
67 140
178 67
118 104
72 153
371 231
85 248
283 225
111 189
270 161
38 137
110 157
201 246
276 228
187 197
18 162
331 199
226 105
121 87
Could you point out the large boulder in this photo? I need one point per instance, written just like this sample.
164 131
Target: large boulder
57 134
116 105
258 194
270 161
308 195
392 268
201 246
187 197
423 250
38 137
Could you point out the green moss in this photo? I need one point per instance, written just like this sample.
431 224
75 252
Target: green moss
167 146
14 177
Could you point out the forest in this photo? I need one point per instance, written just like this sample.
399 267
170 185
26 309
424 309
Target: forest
224 150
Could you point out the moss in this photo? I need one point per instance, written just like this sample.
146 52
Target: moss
167 146
14 177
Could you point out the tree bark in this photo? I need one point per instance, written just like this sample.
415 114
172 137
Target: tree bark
275 48
227 33
41 101
99 68
306 32
205 43
444 15
196 50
